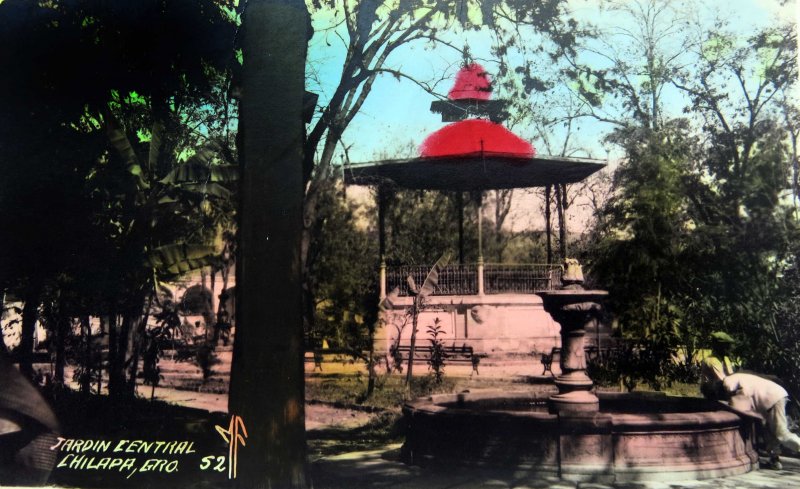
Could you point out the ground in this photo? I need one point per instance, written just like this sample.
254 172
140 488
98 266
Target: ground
355 443
381 469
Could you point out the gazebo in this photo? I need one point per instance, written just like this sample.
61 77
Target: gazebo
492 307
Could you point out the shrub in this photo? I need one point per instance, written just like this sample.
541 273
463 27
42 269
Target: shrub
438 355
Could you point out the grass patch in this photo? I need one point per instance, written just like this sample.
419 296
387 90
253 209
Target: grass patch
383 429
683 389
680 389
389 393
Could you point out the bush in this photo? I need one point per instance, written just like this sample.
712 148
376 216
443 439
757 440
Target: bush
438 355
638 361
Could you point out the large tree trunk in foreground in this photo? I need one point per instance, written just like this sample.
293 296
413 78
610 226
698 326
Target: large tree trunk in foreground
267 372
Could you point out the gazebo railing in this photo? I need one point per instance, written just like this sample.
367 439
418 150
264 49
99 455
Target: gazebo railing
464 279
520 279
453 279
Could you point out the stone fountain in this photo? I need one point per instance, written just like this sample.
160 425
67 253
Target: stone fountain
574 308
577 434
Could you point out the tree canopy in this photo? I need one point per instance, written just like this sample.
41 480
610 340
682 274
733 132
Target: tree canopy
115 155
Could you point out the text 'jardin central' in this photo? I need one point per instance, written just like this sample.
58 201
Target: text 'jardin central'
116 455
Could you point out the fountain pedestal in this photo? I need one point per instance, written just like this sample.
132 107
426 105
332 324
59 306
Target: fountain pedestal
574 308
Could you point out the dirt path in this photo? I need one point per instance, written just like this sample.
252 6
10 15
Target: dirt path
318 416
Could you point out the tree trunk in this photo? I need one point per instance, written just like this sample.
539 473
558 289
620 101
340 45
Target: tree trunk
123 345
63 324
114 389
562 225
208 305
548 223
267 389
119 344
100 362
3 347
224 294
414 321
460 218
30 314
136 345
112 353
86 330
212 308
502 206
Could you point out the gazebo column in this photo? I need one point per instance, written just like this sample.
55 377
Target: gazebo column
480 243
382 239
382 279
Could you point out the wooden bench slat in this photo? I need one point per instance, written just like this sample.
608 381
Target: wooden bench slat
454 354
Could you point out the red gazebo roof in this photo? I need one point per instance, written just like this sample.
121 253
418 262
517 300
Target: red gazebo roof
472 172
472 154
475 136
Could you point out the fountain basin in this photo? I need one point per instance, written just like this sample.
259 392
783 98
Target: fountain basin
638 436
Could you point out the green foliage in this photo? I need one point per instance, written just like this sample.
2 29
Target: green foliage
151 372
421 294
342 276
641 251
693 241
420 224
101 141
650 361
774 348
438 354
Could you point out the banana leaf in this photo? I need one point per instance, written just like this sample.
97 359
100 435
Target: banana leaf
194 172
180 258
201 190
156 137
122 145
433 276
387 304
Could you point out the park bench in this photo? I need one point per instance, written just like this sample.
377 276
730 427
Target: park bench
317 355
592 352
453 354
547 359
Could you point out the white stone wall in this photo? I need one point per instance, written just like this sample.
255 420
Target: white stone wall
492 324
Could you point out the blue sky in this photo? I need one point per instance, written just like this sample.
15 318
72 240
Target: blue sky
396 117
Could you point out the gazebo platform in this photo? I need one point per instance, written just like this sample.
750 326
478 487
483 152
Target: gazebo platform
494 324
492 308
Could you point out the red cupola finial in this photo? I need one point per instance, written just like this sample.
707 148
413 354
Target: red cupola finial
468 138
472 82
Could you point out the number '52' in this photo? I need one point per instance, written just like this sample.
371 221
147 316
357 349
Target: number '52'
206 462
